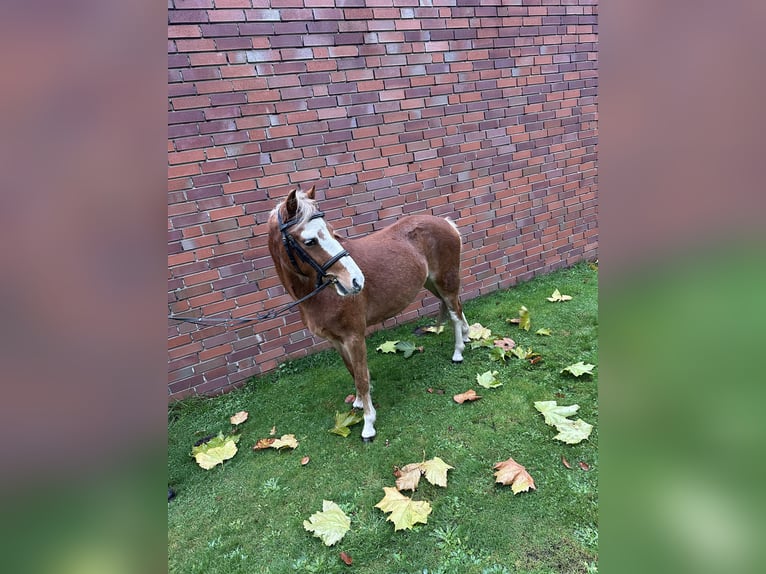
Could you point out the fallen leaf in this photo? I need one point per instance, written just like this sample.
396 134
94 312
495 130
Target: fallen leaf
346 559
506 343
514 320
408 477
478 331
238 418
556 297
570 432
404 512
215 451
579 369
387 347
525 321
273 431
345 420
406 347
477 344
511 472
285 441
469 395
488 380
330 525
522 353
498 354
436 329
584 465
349 399
545 331
535 360
574 431
435 471
263 443
305 460
555 414
565 462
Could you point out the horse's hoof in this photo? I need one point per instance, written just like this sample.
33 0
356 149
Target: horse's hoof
368 439
454 362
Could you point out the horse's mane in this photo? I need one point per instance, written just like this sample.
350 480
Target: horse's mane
306 208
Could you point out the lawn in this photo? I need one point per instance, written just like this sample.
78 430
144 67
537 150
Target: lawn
246 515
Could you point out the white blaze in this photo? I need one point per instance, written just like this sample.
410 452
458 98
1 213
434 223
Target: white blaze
317 229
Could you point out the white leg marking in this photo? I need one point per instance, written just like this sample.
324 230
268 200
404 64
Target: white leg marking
369 422
457 324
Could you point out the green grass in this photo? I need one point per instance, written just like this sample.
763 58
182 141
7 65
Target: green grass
247 514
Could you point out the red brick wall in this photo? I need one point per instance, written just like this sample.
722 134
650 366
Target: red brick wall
484 111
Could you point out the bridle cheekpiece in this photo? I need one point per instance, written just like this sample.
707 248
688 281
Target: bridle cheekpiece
294 247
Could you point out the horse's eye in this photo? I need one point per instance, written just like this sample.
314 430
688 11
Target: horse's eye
310 242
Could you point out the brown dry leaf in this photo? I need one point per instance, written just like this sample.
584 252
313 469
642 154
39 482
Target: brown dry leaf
347 560
264 443
469 395
408 477
305 460
584 465
238 418
511 472
565 462
505 343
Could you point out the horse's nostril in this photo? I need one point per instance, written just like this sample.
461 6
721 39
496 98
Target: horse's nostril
356 285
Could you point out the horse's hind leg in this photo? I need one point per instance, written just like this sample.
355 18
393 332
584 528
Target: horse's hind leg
451 307
354 353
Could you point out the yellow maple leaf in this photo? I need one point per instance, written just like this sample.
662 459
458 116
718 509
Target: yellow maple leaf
404 512
435 471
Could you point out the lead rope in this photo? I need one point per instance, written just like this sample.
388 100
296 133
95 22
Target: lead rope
273 314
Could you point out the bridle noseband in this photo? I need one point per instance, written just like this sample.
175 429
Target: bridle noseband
292 246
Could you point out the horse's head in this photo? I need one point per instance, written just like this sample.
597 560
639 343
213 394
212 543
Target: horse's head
313 247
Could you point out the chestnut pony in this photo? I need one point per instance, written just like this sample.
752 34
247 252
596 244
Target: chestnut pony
374 278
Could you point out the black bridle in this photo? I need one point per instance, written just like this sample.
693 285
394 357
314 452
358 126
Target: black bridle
294 247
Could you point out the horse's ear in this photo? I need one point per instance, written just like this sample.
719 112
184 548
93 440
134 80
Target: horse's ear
310 193
291 203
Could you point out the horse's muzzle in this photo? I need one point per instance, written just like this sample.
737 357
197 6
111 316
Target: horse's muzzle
356 287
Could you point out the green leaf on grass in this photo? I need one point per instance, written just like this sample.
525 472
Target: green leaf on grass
215 451
387 347
579 369
525 321
330 525
482 343
488 380
345 420
406 347
546 332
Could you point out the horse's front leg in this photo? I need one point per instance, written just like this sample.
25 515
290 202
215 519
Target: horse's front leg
354 352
